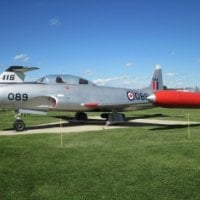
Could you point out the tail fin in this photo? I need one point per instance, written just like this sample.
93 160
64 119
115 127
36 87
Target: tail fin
156 81
15 74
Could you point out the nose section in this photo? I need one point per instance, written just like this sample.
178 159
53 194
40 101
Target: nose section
152 98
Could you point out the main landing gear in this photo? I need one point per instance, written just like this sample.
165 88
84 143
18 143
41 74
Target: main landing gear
81 116
115 118
111 118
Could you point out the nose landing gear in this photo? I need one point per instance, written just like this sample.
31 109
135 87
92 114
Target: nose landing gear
19 124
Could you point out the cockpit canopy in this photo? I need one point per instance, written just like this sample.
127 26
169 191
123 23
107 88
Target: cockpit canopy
67 79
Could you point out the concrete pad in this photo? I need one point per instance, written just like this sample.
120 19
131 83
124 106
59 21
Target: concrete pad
94 124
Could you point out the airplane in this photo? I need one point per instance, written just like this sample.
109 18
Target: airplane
175 99
71 93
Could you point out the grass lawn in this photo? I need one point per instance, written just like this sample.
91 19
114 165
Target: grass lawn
142 162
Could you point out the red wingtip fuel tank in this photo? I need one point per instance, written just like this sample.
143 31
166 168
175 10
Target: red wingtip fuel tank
175 99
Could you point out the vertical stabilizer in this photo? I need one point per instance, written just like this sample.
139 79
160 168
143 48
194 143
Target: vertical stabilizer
15 74
156 81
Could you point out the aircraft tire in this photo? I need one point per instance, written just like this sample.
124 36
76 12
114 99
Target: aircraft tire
81 116
19 125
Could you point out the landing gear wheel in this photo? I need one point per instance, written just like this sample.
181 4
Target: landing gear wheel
105 115
19 125
81 116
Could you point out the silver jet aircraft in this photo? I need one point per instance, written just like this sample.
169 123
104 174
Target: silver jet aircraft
70 93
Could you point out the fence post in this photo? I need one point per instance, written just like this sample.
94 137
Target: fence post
61 134
189 134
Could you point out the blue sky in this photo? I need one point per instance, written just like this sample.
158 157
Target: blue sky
112 42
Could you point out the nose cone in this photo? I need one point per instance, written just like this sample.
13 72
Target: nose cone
152 98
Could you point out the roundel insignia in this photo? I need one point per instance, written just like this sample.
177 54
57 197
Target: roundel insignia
131 96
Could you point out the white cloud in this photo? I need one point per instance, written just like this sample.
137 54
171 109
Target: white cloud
123 82
129 64
171 74
88 72
109 80
21 57
54 22
175 83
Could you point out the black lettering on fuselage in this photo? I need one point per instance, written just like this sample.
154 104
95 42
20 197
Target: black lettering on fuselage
17 97
9 77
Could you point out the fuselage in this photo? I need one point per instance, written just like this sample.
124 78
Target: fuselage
71 97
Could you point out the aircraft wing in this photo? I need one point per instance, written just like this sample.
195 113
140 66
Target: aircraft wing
110 106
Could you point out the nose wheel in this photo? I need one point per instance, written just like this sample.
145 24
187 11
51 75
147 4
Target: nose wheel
19 125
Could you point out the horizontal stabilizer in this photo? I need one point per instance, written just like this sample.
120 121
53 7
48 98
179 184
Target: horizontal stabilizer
15 74
21 69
